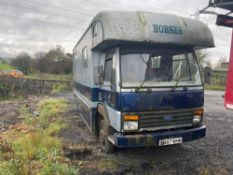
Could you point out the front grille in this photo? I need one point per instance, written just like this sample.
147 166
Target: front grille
165 119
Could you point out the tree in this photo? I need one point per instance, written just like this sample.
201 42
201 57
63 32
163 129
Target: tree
23 62
54 61
220 61
55 56
202 58
41 62
68 62
58 61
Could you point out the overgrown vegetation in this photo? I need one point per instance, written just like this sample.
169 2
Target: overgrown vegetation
61 87
33 147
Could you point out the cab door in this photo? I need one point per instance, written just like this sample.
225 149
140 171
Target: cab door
109 79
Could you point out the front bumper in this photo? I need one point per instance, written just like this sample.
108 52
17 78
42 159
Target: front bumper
122 140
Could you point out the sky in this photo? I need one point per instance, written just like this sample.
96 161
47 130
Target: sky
39 25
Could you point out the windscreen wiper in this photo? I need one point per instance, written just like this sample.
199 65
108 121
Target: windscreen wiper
143 82
140 86
178 80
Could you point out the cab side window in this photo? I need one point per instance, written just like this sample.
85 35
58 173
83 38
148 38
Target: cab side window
84 57
108 70
97 33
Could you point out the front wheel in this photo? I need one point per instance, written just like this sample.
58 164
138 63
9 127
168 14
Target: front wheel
105 145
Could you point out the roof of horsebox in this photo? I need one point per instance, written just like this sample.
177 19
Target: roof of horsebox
120 27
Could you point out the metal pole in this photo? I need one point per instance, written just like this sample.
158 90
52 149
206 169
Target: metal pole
229 84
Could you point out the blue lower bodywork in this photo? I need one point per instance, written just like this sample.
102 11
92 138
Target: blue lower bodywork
143 102
121 140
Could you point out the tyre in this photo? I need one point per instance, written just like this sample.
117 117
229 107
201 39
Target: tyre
105 145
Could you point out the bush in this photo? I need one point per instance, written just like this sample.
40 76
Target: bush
61 87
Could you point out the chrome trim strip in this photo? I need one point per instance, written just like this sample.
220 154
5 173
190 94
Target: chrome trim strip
165 127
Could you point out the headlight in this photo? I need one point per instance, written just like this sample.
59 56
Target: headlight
130 122
197 119
130 125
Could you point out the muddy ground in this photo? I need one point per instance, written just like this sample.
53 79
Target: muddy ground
10 110
211 155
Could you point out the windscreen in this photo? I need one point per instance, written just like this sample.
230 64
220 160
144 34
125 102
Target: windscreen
159 70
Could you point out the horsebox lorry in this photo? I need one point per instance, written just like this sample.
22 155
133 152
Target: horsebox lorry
137 81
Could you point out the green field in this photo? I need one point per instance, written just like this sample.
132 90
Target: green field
46 76
5 67
215 87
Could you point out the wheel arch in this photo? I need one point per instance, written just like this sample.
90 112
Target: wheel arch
100 113
102 110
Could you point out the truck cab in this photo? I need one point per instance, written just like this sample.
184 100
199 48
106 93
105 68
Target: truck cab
137 81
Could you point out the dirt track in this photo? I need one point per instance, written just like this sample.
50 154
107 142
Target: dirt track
211 155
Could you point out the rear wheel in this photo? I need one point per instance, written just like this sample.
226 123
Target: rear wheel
105 145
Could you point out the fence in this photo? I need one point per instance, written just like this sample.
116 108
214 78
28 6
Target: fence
215 77
13 87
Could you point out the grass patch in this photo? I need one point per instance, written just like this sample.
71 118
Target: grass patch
215 87
6 67
109 164
214 171
45 76
32 147
15 98
61 87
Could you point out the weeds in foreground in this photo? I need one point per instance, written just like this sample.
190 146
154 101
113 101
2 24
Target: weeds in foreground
32 147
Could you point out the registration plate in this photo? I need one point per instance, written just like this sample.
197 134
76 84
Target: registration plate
170 141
